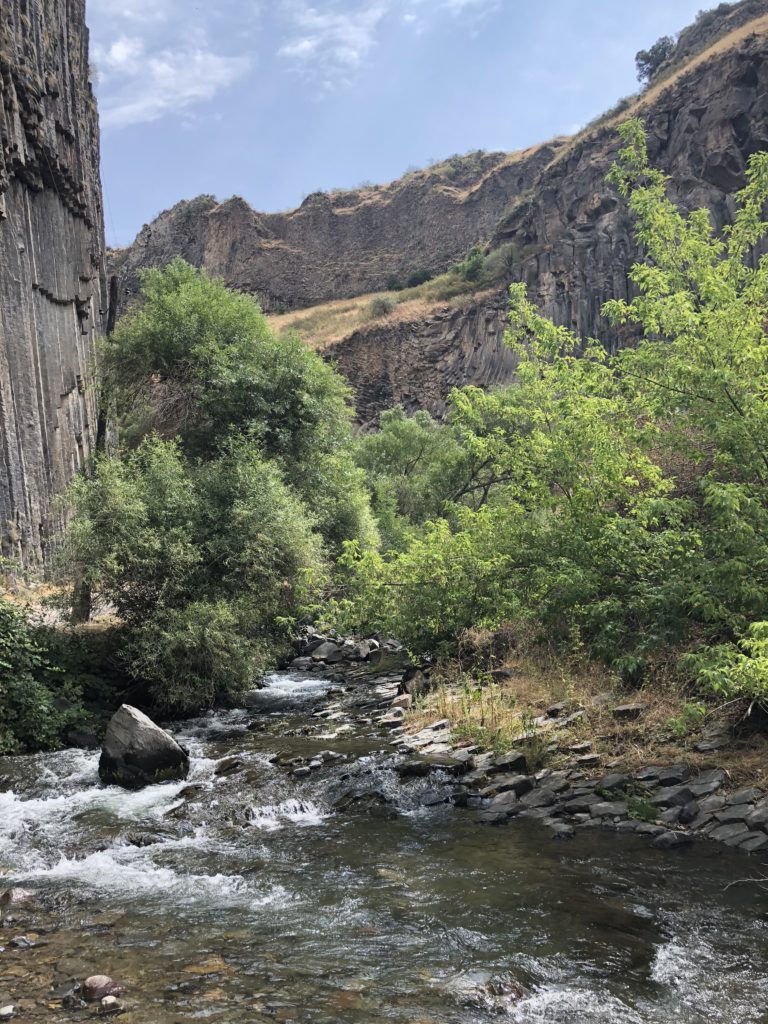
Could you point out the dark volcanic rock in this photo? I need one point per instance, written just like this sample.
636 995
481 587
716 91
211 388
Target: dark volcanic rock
136 752
53 298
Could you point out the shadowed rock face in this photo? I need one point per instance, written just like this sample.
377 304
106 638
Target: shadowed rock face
51 264
416 364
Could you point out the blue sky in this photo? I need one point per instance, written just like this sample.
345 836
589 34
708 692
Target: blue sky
274 99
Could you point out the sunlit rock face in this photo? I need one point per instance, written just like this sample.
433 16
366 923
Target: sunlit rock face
52 283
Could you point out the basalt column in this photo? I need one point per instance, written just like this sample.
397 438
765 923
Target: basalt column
52 287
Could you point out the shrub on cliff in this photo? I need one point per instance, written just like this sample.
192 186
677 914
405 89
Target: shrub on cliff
382 305
649 61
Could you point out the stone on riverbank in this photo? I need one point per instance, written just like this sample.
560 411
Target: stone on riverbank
137 753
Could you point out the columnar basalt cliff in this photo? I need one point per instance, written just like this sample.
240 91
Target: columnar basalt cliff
415 363
51 264
339 244
569 232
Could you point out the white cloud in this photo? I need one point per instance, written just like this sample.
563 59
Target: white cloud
142 86
337 39
332 39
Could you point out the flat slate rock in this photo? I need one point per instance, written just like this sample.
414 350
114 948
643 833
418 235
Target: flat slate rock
672 796
756 842
629 712
729 833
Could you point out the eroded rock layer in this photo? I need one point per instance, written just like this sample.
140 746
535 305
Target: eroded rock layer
51 265
339 244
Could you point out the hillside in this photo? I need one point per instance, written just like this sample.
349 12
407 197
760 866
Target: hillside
568 232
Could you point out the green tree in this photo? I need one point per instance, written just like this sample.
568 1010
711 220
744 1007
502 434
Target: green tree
627 505
199 362
648 62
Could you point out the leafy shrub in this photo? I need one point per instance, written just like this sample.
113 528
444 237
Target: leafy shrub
197 656
28 692
382 305
417 277
156 536
500 263
736 670
471 268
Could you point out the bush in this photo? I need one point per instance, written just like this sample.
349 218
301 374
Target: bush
471 267
197 656
28 691
417 277
500 264
382 305
649 61
156 536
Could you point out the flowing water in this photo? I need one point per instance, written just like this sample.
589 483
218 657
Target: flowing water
244 896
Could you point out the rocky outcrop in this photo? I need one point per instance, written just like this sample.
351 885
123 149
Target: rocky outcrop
136 752
338 244
573 232
51 265
416 363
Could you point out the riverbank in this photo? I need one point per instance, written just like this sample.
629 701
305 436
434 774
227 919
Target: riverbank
591 759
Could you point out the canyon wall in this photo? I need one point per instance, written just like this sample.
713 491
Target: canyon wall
339 244
569 232
415 363
52 296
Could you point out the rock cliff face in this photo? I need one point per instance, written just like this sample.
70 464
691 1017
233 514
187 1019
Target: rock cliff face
339 244
706 113
573 232
51 264
416 363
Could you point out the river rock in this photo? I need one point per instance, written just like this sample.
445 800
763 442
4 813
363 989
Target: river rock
673 796
671 840
136 752
512 761
328 652
756 842
98 986
628 712
110 1005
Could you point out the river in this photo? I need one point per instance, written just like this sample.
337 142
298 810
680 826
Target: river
244 894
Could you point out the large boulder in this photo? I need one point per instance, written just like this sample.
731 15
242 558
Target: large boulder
136 752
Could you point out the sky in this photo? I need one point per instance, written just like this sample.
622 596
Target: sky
275 99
